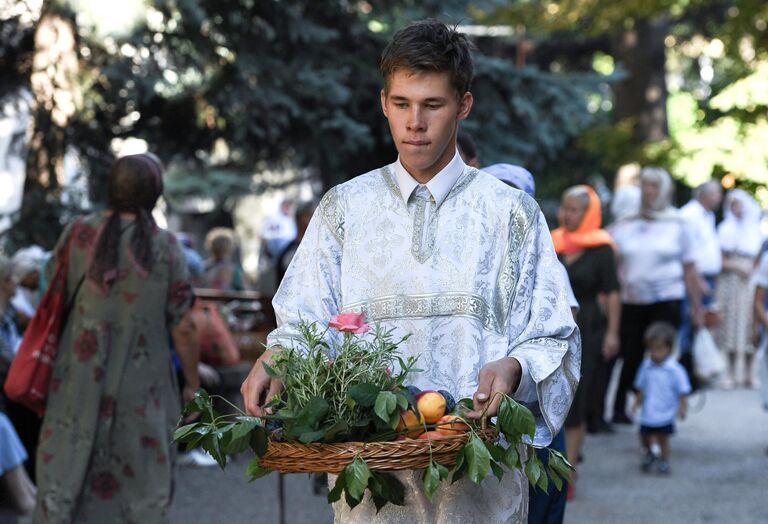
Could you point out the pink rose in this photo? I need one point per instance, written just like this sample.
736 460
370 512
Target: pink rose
350 322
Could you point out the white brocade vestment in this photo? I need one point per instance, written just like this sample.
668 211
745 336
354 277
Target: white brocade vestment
472 275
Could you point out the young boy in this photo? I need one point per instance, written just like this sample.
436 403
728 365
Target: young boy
432 247
662 388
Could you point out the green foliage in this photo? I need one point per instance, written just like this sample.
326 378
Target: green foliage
476 459
433 475
216 435
539 112
350 390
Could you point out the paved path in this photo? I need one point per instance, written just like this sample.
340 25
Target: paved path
719 470
719 474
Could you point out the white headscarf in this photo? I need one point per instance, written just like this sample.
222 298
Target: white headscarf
661 207
743 235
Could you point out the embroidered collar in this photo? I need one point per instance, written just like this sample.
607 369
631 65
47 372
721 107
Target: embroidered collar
440 185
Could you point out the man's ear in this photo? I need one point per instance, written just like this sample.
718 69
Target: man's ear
384 103
465 106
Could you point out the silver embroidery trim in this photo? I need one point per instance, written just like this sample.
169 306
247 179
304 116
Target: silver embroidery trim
332 215
462 184
390 181
423 248
506 283
548 342
427 305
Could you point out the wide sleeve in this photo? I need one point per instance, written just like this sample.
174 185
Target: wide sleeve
180 296
310 290
541 331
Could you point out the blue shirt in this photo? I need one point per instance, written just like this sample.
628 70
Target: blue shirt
662 386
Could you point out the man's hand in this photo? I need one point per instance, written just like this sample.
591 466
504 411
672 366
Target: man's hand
259 388
697 315
499 376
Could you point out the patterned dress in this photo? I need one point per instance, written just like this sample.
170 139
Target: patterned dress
735 294
104 453
473 276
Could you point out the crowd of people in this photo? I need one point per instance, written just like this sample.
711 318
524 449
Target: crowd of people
651 279
638 290
103 377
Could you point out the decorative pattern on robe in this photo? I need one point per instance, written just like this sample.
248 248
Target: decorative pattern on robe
485 286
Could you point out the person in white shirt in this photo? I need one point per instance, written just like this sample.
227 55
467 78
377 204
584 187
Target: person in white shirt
700 214
430 246
279 230
656 268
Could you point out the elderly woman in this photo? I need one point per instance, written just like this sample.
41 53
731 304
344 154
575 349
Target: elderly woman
13 476
656 269
105 450
28 263
222 271
586 250
740 242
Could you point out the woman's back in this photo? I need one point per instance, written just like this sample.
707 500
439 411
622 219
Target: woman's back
113 403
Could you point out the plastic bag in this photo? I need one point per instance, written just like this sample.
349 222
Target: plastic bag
708 361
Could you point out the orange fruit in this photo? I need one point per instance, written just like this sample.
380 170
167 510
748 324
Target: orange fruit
431 405
431 435
409 420
451 425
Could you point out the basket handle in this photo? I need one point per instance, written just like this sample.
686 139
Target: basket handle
484 423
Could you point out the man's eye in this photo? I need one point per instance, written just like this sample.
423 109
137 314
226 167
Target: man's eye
401 105
433 106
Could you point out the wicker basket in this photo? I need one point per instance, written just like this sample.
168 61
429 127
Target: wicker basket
332 458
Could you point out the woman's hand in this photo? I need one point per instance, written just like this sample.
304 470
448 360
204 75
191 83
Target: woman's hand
610 346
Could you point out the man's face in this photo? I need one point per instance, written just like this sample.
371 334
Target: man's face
711 198
424 112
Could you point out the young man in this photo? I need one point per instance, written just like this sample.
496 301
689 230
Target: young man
464 263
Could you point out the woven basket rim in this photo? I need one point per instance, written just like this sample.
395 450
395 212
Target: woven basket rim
290 457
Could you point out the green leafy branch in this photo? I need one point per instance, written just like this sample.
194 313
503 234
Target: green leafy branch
217 434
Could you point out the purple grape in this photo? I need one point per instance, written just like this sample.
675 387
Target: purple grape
413 390
450 402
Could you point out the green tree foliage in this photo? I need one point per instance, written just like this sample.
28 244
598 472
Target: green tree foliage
717 118
223 89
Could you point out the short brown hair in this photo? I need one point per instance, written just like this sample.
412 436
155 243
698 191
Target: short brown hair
430 46
661 331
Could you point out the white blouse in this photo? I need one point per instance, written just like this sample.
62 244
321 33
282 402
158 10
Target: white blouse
652 254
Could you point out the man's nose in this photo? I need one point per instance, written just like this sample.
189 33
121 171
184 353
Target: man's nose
416 120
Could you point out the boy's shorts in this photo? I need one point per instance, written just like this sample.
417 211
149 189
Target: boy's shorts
669 429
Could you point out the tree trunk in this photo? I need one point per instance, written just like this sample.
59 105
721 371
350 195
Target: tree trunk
642 95
54 70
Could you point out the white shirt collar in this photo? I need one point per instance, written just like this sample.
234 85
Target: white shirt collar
440 185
